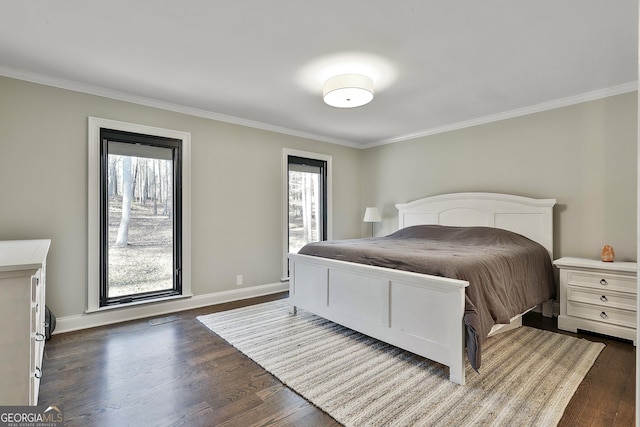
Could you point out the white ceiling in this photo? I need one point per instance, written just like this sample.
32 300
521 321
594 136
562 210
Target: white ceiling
447 64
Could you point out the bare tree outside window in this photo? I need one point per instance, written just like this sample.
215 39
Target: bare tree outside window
140 244
306 202
127 193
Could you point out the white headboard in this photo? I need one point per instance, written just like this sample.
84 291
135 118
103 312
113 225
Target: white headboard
533 218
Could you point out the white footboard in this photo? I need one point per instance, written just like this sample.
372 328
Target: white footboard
417 312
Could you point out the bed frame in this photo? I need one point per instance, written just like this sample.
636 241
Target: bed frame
417 312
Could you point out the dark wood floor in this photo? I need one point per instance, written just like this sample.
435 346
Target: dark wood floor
179 373
606 396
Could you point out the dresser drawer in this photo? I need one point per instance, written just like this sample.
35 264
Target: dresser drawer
609 315
602 297
602 281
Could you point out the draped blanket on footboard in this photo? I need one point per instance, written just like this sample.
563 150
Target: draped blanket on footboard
507 272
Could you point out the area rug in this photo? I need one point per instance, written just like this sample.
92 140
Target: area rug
527 377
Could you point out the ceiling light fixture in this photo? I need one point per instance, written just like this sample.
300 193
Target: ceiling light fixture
348 90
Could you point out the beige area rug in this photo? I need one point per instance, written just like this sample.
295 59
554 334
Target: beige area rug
527 377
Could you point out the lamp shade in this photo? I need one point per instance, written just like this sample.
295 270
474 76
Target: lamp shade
372 215
348 90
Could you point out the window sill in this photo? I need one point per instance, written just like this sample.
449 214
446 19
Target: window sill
136 303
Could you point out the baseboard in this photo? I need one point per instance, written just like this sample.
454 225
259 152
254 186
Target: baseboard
101 318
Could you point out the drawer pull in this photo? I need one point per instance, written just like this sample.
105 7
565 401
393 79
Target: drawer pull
603 282
604 315
38 373
39 337
603 298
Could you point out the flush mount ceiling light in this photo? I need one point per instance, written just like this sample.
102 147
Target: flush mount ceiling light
348 90
359 71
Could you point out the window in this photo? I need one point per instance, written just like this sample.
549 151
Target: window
140 212
139 221
306 186
306 201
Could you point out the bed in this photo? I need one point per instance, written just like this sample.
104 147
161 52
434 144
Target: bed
421 313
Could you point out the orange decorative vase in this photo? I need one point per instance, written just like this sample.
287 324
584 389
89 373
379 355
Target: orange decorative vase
607 254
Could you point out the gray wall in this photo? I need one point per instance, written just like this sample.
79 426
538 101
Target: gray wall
236 188
582 155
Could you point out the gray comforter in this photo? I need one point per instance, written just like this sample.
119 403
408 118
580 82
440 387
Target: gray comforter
507 273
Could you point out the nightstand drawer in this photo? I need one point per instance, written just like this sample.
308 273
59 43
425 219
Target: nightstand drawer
602 314
602 281
603 298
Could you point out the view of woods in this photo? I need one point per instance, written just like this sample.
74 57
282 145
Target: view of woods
140 241
304 209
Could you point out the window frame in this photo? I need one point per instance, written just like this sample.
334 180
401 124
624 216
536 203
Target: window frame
328 217
95 209
108 136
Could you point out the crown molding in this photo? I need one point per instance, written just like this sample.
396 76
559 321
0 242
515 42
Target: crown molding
155 103
558 103
177 108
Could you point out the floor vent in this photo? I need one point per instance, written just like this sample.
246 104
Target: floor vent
161 320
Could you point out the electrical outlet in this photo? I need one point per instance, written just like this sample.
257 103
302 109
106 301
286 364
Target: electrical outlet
239 280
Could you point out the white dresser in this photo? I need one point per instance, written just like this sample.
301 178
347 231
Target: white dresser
22 306
598 296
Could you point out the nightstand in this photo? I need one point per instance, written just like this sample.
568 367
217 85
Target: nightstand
598 296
